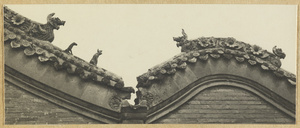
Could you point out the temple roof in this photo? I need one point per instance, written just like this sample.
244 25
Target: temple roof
21 33
202 48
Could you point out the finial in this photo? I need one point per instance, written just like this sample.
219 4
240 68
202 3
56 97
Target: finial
278 52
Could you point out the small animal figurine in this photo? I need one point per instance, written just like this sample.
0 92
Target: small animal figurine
69 49
94 60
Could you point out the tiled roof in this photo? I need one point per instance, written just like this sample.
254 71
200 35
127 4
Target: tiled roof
202 48
17 35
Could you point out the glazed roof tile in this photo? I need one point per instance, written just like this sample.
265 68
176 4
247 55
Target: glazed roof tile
18 37
204 47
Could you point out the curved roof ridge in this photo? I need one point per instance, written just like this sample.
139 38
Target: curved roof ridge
204 47
18 37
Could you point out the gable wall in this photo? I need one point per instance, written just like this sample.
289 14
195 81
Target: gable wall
224 104
22 107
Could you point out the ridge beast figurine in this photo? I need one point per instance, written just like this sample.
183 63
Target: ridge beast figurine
45 31
94 60
69 49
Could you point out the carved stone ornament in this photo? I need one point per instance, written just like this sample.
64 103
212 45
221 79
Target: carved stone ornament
256 50
115 103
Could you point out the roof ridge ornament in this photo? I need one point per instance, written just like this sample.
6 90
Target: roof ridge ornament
278 52
31 28
227 45
181 39
69 49
45 31
94 60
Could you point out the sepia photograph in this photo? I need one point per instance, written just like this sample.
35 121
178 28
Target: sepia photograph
149 64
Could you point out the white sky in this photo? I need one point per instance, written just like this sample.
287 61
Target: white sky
135 38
